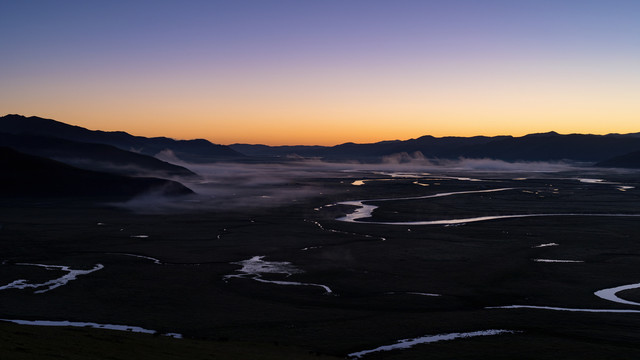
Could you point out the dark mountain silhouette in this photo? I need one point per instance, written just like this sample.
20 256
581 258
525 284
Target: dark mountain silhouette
429 146
32 176
553 146
436 147
91 156
198 150
278 151
630 160
549 146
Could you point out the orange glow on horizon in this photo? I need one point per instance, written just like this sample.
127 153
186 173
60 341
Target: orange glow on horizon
337 131
334 107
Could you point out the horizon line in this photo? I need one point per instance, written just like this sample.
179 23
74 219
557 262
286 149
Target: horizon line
333 144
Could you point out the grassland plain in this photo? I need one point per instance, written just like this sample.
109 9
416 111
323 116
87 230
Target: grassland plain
166 272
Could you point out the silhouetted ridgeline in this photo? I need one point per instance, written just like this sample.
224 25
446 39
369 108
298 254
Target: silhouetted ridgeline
198 150
99 157
27 175
534 147
549 146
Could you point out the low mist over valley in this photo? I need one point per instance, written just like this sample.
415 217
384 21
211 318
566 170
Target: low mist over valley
259 175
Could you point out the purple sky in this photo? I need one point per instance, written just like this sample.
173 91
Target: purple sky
399 68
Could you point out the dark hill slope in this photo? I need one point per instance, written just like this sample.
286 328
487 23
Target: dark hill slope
630 161
27 175
198 150
429 146
553 146
91 156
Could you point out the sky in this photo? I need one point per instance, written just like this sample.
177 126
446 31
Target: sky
324 72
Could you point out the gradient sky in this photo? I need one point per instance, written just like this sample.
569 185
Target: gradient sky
324 72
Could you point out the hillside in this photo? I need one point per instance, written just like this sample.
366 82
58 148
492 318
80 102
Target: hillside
28 175
198 150
549 146
630 160
91 156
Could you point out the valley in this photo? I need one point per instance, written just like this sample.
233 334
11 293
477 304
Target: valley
294 273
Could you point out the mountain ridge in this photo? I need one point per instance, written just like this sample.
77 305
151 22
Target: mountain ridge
197 150
92 156
549 146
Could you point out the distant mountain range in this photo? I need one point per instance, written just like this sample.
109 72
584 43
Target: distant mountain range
121 153
549 146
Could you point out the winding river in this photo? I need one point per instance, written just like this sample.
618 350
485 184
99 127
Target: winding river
93 325
364 210
409 343
254 267
51 284
610 294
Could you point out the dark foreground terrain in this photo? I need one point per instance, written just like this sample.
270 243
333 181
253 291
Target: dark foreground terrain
349 287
